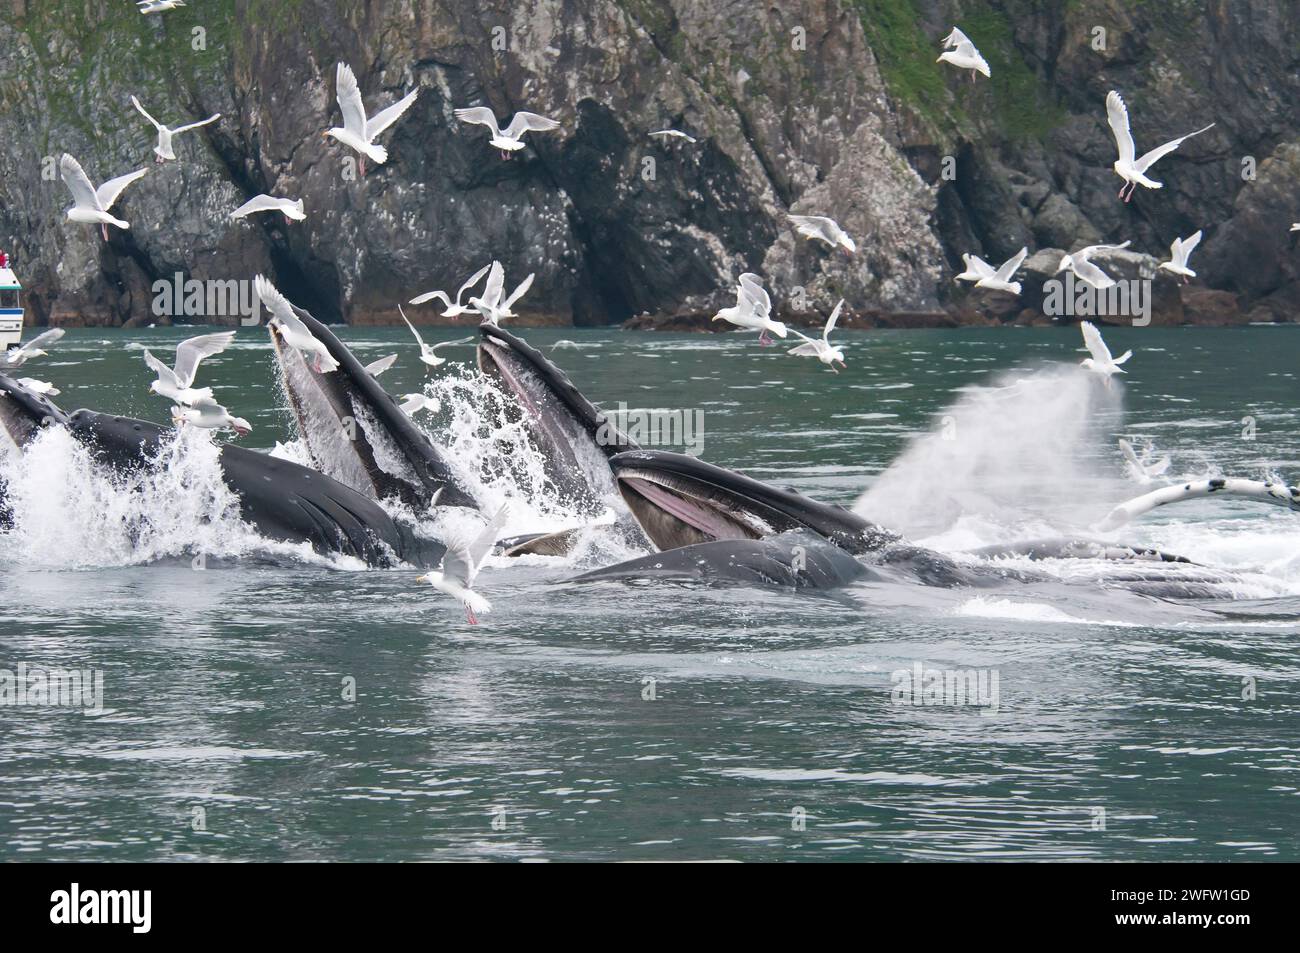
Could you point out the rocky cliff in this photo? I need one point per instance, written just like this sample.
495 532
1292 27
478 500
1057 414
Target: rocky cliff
811 106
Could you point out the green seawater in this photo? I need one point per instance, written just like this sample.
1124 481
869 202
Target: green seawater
266 709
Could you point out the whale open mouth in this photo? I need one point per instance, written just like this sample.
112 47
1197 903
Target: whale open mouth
574 437
354 430
680 501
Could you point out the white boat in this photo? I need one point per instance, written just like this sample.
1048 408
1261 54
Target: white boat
11 305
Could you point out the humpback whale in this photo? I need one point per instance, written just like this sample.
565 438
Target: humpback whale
680 500
355 431
281 500
575 438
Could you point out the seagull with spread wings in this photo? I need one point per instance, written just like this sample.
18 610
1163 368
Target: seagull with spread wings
357 132
163 150
821 348
177 384
511 139
460 566
1128 166
92 204
428 352
1101 362
1179 252
454 308
290 328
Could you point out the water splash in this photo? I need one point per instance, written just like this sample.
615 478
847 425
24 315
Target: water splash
68 511
1016 457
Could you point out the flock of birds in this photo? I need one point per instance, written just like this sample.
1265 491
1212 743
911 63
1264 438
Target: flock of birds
197 406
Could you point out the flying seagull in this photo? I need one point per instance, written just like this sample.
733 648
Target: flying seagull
359 133
454 309
1083 267
964 56
290 327
428 352
1000 280
12 360
1133 170
824 229
675 133
821 348
1179 252
752 310
292 210
460 565
92 204
977 269
1101 362
177 385
490 305
163 150
511 139
158 6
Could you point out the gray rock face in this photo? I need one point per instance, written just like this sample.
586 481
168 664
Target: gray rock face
812 106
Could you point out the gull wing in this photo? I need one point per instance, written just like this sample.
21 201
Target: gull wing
83 192
480 115
1096 346
141 110
194 125
349 97
1117 116
978 265
495 285
281 310
810 226
475 279
419 340
1150 158
808 349
1089 271
192 351
42 339
165 373
258 203
955 38
1083 254
375 368
830 322
429 296
529 122
484 541
107 193
1159 467
1010 266
752 287
1185 247
386 117
434 347
519 292
457 565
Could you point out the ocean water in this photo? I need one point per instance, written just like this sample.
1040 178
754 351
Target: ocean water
272 705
